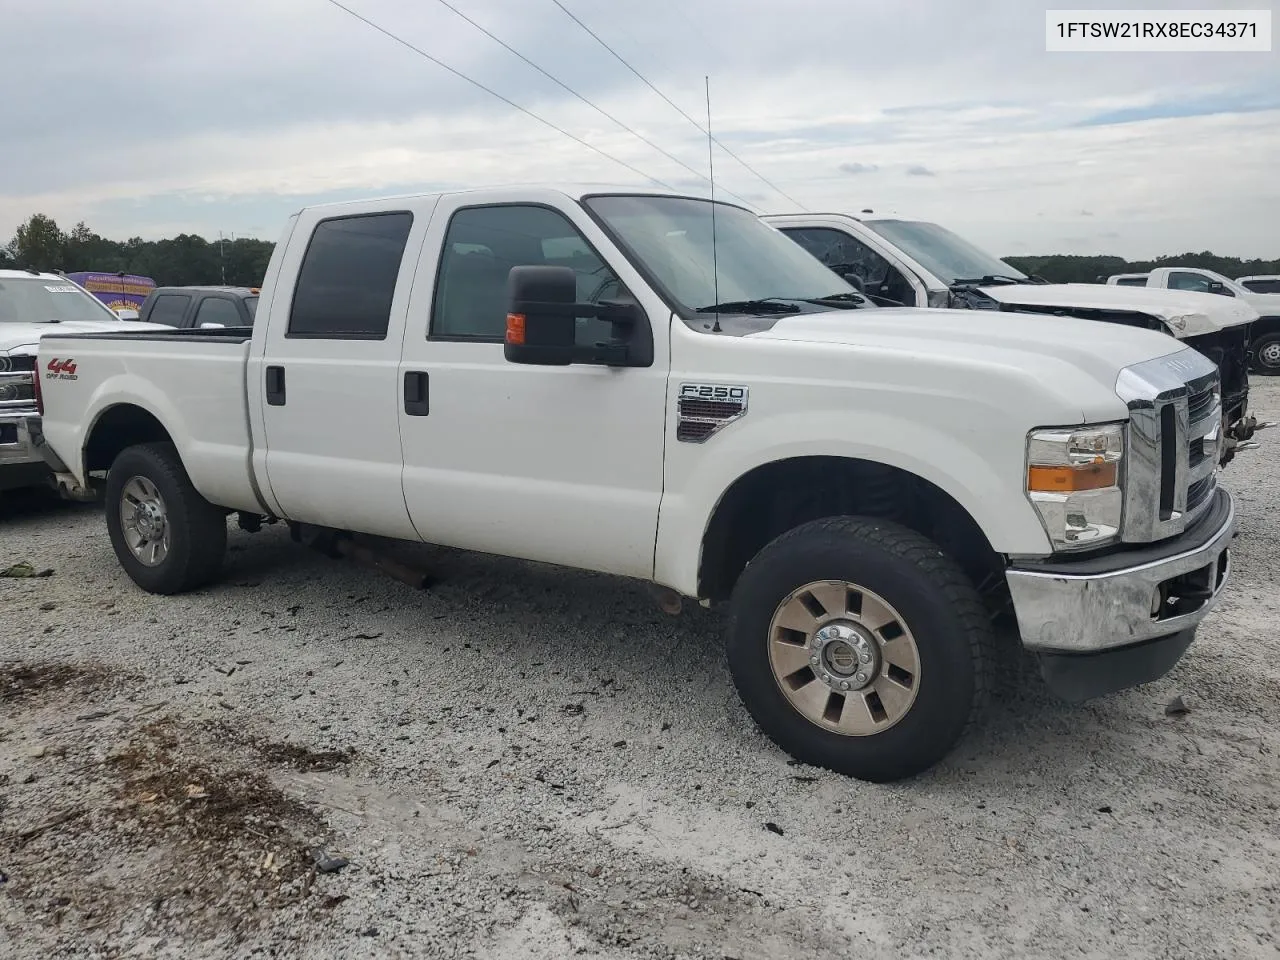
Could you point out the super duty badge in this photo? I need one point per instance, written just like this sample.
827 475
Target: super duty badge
704 409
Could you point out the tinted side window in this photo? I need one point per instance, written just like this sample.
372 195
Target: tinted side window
1131 282
169 309
1188 281
348 277
1263 286
480 248
218 310
849 257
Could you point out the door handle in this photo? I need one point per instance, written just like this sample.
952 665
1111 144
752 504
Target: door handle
275 386
416 403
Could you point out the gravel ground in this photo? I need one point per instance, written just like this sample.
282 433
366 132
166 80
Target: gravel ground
526 762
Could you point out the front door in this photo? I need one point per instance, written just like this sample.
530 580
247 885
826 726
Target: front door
558 464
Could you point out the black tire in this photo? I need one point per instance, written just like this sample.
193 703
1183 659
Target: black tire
197 529
936 602
1265 354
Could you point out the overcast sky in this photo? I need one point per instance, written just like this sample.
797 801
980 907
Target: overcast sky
156 117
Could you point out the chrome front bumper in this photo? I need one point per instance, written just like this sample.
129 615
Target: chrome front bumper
1103 605
16 447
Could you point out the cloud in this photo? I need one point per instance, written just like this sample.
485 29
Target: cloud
173 117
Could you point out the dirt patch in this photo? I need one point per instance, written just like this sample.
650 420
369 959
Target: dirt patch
19 680
174 831
304 758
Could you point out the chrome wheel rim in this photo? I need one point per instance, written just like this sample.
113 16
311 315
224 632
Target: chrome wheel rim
844 658
1270 354
144 521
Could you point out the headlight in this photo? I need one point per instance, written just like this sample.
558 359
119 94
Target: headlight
1074 480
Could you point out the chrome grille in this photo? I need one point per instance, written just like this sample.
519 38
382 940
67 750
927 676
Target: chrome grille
1175 421
16 388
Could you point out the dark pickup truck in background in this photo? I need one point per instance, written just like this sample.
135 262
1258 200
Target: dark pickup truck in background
185 307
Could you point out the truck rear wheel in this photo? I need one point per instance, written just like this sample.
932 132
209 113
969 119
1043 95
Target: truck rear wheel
168 538
858 646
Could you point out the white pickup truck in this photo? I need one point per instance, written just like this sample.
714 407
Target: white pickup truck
605 380
915 263
1264 335
32 304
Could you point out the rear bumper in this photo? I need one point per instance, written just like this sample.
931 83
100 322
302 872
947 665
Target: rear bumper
1103 624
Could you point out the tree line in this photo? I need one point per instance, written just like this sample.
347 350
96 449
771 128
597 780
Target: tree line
188 259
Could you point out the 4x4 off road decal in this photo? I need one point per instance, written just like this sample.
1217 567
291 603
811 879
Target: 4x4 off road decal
704 409
60 370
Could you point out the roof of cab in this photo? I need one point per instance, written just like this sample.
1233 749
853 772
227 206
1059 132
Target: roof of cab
574 191
31 274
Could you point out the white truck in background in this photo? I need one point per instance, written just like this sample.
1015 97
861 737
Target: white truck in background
1263 283
33 304
900 262
605 380
1264 336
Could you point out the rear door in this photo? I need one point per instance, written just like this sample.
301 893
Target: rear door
330 395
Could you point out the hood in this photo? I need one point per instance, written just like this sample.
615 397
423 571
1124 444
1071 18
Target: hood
1202 312
1075 361
25 337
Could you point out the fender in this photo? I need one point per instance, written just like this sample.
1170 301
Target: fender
985 487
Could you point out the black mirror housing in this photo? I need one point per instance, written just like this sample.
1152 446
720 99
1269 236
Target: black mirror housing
541 307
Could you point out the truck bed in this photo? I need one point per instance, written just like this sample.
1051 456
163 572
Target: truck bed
192 381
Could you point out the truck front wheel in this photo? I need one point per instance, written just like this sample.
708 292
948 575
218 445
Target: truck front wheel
858 646
1266 354
168 538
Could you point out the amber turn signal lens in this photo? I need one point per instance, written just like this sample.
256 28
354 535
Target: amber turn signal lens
1086 476
515 328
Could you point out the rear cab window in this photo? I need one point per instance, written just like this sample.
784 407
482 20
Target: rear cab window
348 277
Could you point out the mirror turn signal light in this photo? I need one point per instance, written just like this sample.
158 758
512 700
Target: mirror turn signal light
515 328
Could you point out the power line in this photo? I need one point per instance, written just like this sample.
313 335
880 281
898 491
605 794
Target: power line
568 89
595 36
511 103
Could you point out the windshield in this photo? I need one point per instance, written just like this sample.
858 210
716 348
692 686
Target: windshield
251 304
671 237
47 300
945 255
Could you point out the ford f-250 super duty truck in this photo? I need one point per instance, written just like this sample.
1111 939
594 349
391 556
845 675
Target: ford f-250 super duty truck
915 263
1264 334
587 378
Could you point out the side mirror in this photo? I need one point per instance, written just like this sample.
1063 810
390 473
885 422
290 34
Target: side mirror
854 281
541 309
1218 287
207 325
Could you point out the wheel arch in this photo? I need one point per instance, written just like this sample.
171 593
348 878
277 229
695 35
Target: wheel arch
775 497
116 428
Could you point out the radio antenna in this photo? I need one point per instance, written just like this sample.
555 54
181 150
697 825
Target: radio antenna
711 170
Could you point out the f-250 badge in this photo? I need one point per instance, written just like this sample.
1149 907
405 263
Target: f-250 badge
704 409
